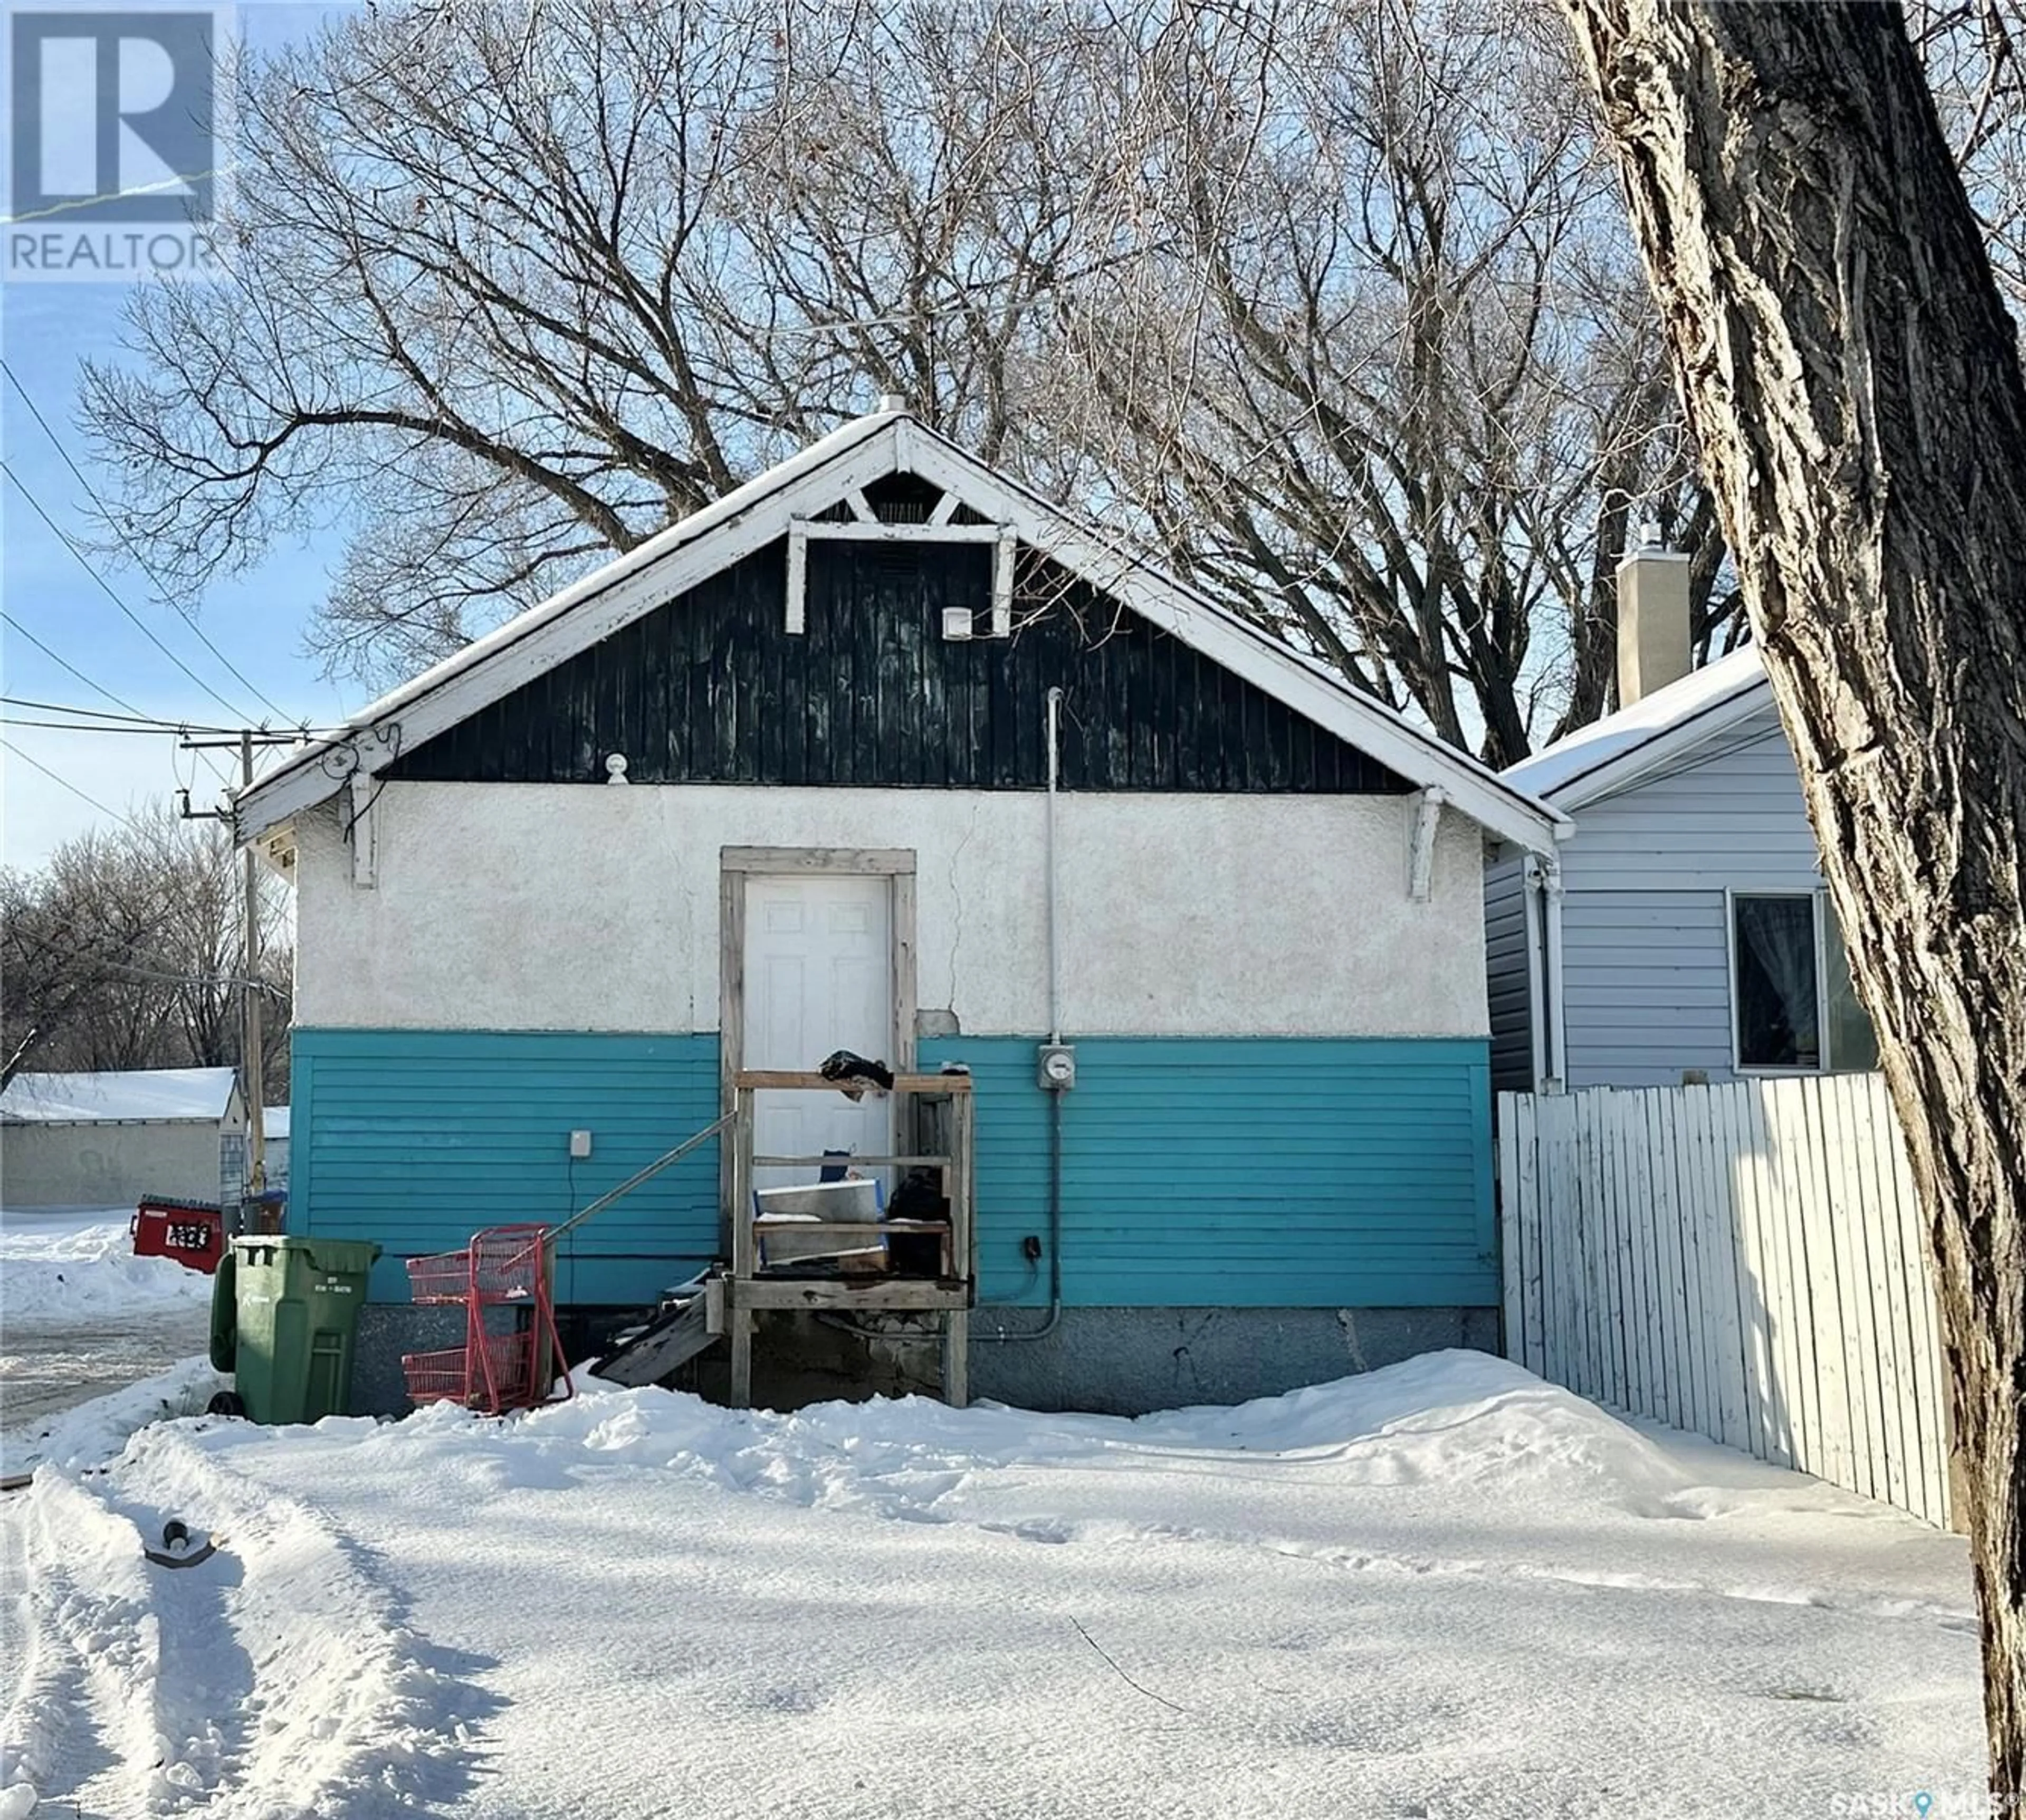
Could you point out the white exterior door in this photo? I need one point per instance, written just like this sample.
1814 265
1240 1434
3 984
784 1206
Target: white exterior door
819 977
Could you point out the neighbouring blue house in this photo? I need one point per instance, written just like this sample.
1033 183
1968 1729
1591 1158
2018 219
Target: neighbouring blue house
1684 932
883 752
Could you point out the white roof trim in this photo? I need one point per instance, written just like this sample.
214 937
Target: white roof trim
757 513
1609 755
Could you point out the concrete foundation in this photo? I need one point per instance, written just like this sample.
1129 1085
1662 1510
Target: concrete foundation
386 1331
1123 1362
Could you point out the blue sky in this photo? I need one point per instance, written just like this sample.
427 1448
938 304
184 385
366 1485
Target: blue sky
257 619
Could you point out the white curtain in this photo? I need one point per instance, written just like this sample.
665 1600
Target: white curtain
1779 935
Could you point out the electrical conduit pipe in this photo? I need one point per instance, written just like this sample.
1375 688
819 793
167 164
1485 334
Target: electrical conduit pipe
1006 1336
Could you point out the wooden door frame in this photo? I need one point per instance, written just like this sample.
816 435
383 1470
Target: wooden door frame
735 866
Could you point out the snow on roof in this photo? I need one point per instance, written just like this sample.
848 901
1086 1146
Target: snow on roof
1706 700
128 1096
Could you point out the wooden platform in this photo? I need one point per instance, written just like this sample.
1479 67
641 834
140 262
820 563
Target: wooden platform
748 1288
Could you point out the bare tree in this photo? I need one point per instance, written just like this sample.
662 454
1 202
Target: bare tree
1974 53
929 187
480 256
515 284
1385 378
1856 391
125 951
1328 300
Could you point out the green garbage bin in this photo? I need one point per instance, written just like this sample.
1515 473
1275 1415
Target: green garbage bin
295 1306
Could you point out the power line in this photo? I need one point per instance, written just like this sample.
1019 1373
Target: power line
224 778
161 722
69 708
90 727
211 765
91 492
146 731
233 979
62 663
57 777
198 754
106 588
155 968
100 720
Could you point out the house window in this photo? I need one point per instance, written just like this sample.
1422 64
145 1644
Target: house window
1853 1044
1793 1005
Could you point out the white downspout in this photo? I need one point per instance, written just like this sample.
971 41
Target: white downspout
1556 1077
1532 878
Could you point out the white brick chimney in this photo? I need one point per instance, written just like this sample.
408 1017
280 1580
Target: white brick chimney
1652 617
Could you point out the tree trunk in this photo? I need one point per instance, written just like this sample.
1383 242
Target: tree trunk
1855 384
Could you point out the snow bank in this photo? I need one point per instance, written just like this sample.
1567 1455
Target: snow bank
75 1267
99 1431
1453 1418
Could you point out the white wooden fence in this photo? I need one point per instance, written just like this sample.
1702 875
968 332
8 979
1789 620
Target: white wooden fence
1744 1261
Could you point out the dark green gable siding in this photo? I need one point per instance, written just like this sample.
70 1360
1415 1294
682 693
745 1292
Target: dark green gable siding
711 688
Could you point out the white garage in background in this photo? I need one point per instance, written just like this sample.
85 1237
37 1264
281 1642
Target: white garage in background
104 1140
274 1124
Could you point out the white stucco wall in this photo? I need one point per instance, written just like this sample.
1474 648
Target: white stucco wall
107 1166
573 906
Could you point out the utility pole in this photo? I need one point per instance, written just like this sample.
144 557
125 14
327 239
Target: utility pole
252 1056
251 1059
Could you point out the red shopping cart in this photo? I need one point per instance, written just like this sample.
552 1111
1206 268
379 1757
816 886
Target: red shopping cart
500 1367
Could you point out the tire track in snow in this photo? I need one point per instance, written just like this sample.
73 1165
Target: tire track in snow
275 1679
203 1678
322 1698
80 1724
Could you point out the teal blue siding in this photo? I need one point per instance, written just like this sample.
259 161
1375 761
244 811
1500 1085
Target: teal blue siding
1198 1172
417 1138
1244 1173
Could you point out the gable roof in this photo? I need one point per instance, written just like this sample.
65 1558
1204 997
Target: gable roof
1605 755
125 1096
754 515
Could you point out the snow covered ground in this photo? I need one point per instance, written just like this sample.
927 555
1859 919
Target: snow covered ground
80 1314
1444 1588
69 1266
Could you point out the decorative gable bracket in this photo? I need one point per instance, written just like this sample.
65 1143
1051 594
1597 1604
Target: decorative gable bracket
865 526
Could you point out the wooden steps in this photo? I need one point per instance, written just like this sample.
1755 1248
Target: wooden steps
690 1321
